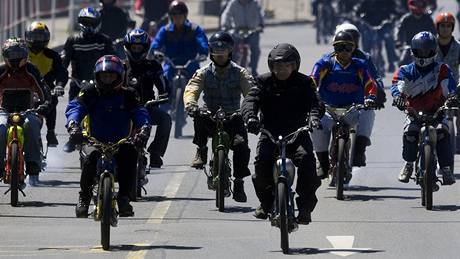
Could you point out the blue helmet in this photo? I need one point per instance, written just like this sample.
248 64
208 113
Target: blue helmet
89 20
137 37
111 64
423 47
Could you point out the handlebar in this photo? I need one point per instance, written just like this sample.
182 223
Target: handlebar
156 102
106 147
161 57
345 111
288 139
219 115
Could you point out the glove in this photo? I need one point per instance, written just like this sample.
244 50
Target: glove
42 109
141 138
399 102
452 102
192 110
315 122
370 103
76 135
253 125
58 90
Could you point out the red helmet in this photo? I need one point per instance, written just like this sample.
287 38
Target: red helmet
417 6
177 7
445 17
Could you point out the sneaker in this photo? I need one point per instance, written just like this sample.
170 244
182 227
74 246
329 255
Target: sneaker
201 158
448 177
435 187
406 172
51 139
304 217
81 210
125 209
33 180
210 182
238 191
260 213
155 161
69 147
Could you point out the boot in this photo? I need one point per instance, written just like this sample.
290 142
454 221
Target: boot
323 164
238 191
448 177
304 217
51 139
406 172
201 158
32 170
81 210
69 147
155 161
260 213
125 209
359 158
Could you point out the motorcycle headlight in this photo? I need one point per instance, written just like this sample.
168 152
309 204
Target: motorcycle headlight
220 115
16 118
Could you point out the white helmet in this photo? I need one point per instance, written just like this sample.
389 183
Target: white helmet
350 28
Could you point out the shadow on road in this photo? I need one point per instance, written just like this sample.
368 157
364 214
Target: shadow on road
359 197
151 247
376 189
164 198
59 184
446 207
307 250
44 204
238 209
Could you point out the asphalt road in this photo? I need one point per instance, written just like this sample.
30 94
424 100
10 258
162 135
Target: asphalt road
379 218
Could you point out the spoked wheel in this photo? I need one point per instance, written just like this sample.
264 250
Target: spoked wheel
179 108
340 168
14 174
221 187
283 216
106 212
428 179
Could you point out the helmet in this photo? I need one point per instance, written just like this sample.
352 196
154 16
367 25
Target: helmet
423 47
221 40
350 28
343 37
137 37
89 20
284 52
417 6
445 18
109 63
15 52
111 3
178 7
37 36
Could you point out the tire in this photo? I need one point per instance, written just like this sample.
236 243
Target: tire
14 174
283 216
221 187
106 212
352 145
179 108
428 177
452 142
340 168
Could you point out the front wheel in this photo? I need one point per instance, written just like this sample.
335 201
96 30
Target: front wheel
14 174
221 187
340 168
106 211
428 177
283 216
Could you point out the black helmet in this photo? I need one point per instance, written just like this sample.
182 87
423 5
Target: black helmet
37 36
177 7
343 37
15 52
221 40
284 52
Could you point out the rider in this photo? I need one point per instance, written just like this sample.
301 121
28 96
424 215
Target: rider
222 83
366 121
343 80
245 14
285 99
18 74
424 85
114 23
449 52
180 40
49 63
83 50
144 74
410 24
111 108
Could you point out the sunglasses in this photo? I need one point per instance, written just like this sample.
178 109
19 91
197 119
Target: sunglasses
343 47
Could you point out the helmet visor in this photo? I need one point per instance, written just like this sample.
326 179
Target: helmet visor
15 54
424 53
36 36
340 47
88 22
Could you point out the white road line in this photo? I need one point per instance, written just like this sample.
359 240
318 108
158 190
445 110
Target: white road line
138 254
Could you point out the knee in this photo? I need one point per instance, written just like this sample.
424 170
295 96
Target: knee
410 137
442 134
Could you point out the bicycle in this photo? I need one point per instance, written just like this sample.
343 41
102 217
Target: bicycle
105 203
341 159
242 48
219 165
283 174
16 103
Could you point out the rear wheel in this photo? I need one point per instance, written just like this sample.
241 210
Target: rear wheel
14 174
340 168
221 187
283 216
428 178
106 212
179 108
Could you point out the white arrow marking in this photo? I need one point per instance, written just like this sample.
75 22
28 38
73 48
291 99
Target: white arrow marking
344 243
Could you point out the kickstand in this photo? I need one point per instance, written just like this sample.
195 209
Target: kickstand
145 191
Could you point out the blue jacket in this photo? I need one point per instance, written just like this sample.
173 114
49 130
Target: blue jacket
181 47
110 116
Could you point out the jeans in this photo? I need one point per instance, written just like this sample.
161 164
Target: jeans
254 45
162 120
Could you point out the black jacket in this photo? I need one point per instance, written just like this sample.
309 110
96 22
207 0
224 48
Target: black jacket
50 66
83 52
284 105
148 74
114 22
